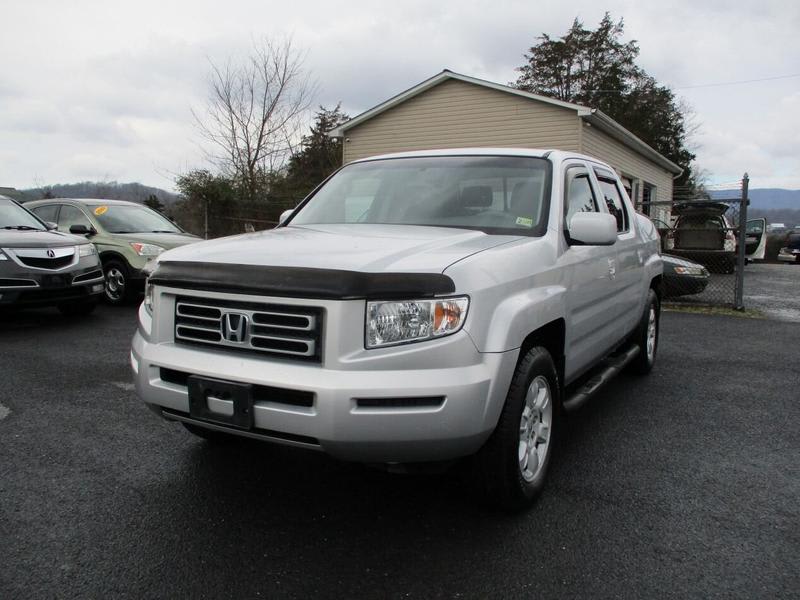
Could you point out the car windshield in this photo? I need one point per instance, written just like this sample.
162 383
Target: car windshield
13 216
494 194
121 218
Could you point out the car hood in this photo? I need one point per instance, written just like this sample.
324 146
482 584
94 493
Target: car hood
12 238
165 240
360 247
675 261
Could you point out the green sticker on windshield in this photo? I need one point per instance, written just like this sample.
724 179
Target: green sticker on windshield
525 221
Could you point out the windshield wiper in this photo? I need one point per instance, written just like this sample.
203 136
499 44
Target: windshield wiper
164 231
22 227
123 231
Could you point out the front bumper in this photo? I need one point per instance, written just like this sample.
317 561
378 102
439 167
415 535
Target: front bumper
31 288
791 258
355 413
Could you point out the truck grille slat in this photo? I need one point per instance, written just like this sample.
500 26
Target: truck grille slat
275 329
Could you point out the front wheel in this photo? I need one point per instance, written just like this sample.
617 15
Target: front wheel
646 336
512 465
117 282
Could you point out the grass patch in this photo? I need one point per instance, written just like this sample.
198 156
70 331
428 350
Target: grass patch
747 313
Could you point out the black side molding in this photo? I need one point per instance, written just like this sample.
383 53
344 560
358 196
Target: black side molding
300 282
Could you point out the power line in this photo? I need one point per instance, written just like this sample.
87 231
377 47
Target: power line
706 85
689 87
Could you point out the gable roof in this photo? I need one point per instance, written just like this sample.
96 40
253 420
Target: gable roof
592 116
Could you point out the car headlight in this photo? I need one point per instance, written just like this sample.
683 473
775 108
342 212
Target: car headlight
148 296
86 250
146 249
689 270
390 323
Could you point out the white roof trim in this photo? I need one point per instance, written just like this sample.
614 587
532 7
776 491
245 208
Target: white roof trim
590 115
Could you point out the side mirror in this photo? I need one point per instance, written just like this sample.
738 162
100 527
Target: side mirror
82 230
592 229
50 226
285 215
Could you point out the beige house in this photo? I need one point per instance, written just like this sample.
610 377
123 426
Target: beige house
451 110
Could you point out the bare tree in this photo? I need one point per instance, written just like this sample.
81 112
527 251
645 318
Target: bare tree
255 111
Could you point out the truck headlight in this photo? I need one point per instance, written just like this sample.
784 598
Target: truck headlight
390 323
148 296
146 249
86 250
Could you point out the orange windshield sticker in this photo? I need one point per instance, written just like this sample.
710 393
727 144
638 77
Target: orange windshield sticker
100 210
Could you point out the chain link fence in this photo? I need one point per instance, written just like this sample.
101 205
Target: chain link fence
703 242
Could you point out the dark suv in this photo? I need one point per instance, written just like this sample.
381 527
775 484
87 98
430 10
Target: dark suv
43 267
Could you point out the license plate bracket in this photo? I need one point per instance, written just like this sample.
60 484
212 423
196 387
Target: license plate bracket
232 401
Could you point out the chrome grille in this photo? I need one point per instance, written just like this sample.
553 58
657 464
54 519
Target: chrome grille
276 329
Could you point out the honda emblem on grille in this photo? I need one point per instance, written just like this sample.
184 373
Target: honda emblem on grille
234 327
51 253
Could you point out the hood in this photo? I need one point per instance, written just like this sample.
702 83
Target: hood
12 238
697 208
359 247
165 240
675 261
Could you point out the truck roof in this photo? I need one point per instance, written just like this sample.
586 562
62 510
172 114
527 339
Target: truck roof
529 152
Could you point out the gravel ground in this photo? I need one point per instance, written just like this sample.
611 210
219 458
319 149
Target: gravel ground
681 484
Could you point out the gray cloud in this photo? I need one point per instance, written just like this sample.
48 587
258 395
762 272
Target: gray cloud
94 90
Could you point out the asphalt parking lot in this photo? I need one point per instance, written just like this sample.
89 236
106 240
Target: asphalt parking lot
681 484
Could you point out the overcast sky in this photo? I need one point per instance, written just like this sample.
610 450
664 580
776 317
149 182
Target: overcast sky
104 90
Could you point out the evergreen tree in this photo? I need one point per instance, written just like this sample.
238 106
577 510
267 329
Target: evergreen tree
596 69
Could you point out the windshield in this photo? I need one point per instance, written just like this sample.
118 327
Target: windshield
13 216
495 194
120 218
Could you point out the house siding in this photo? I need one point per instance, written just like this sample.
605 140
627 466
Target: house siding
630 164
457 114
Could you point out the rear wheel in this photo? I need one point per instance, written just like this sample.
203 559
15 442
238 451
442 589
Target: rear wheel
77 308
211 435
512 466
646 336
117 282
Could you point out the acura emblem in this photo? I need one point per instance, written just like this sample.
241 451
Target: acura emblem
51 253
234 327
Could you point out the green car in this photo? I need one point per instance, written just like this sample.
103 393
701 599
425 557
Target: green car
126 235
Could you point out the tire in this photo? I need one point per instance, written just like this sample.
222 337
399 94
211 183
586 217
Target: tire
117 282
646 336
77 308
211 435
503 467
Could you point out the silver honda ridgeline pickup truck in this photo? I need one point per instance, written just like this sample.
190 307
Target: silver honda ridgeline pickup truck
415 307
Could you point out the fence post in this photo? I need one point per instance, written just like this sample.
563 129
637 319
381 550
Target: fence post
739 296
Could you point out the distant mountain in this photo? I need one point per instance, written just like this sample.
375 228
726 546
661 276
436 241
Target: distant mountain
765 198
774 198
107 190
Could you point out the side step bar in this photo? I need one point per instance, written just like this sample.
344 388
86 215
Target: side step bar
606 371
